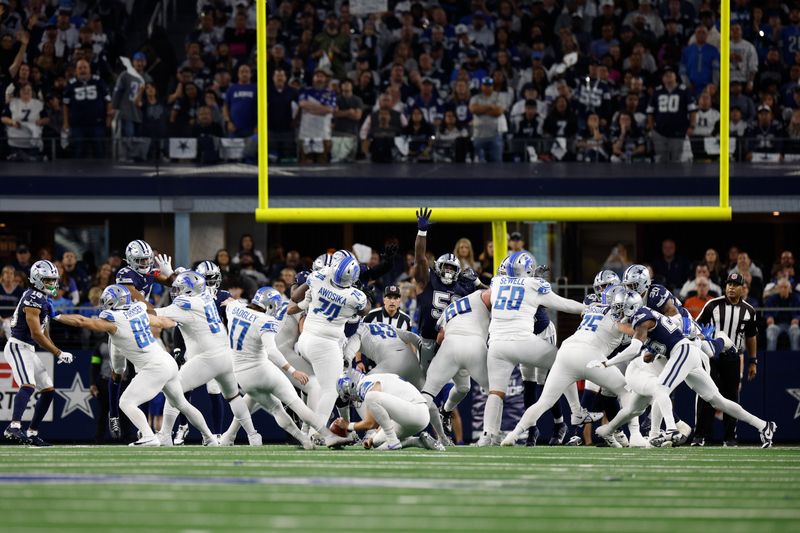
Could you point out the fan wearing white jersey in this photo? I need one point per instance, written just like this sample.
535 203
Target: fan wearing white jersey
128 325
392 405
463 330
329 303
253 330
388 347
206 339
597 336
515 299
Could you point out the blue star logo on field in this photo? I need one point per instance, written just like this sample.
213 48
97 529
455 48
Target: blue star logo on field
77 398
795 393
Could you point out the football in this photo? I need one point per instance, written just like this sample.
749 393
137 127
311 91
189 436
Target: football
337 430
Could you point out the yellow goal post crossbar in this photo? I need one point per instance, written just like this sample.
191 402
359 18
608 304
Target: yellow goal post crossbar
495 215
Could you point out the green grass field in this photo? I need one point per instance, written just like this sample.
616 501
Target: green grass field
195 489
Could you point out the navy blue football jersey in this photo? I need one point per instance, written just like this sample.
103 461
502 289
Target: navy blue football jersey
662 337
19 325
541 320
141 282
221 296
435 298
657 298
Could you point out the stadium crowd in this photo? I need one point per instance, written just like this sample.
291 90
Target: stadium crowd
447 80
694 282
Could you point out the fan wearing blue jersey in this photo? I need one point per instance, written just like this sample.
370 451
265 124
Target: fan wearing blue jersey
685 362
437 286
29 330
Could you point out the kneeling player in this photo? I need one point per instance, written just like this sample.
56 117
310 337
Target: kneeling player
392 405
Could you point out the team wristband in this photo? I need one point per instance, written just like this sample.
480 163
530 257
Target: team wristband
290 370
422 233
753 361
351 426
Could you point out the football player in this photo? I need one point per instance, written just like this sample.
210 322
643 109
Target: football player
195 312
129 325
29 330
388 348
437 286
684 362
330 302
392 406
253 331
515 299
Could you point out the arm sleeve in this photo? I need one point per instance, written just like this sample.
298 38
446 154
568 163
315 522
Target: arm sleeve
353 346
268 340
554 301
174 312
628 353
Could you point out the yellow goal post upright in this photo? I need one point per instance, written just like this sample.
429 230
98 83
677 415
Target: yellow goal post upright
497 216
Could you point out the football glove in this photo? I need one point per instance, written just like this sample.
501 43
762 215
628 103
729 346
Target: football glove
423 219
707 330
164 263
64 357
301 277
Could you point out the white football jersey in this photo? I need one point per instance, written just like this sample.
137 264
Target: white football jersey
379 341
390 384
252 335
467 316
134 339
288 329
202 328
330 307
597 331
514 305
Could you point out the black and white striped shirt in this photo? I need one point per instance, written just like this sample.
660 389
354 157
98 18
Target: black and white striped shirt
400 320
737 321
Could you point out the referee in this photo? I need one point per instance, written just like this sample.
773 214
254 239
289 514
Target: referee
735 317
390 313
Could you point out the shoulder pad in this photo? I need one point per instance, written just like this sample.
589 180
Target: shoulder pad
643 315
270 325
364 387
590 299
34 299
541 286
183 302
107 315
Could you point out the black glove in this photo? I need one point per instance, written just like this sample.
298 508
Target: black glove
301 277
469 274
370 294
542 271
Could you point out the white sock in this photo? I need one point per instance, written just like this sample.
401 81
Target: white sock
170 415
736 411
571 394
242 414
137 417
493 414
436 421
661 397
454 398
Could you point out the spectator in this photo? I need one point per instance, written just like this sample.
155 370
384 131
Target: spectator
206 34
515 242
465 254
154 120
87 111
592 145
104 276
452 141
785 262
700 63
744 59
349 109
715 269
420 135
645 19
127 99
751 273
695 303
792 144
705 136
617 259
765 138
10 293
281 110
252 278
241 109
601 46
627 141
280 286
247 245
743 102
24 118
287 275
690 287
380 129
317 104
428 102
560 125
23 260
488 113
75 271
670 117
783 321
207 132
241 40
183 115
672 268
486 262
333 45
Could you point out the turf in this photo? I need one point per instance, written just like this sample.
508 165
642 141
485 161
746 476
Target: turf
195 489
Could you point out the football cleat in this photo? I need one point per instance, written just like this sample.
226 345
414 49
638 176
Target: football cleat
210 441
559 433
308 444
16 434
336 441
637 441
253 440
509 440
180 434
429 443
767 434
447 420
585 417
533 436
607 436
730 444
227 440
38 441
114 428
488 439
620 437
665 439
152 440
699 441
165 440
575 440
685 430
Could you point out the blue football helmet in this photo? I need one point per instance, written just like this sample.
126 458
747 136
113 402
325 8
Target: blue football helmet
346 272
625 305
116 297
268 300
212 273
637 279
609 293
139 256
324 260
44 276
603 280
347 385
188 283
520 265
447 267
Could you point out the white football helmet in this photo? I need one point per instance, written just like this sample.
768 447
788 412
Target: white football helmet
447 267
324 260
637 279
625 305
44 276
139 256
603 280
213 275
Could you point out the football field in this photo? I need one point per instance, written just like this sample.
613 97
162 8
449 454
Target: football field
275 488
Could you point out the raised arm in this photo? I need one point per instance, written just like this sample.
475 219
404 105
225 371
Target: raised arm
421 269
554 301
94 324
